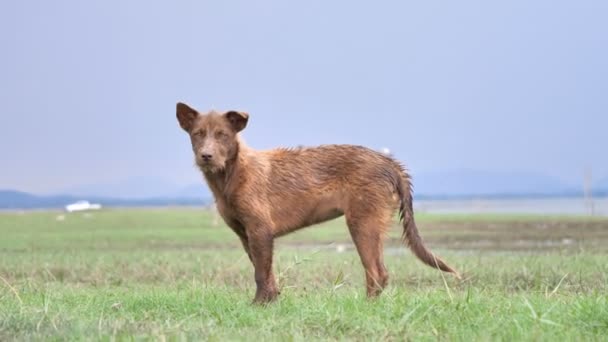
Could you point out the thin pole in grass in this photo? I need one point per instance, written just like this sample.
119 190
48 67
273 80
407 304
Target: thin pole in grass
548 295
445 283
12 290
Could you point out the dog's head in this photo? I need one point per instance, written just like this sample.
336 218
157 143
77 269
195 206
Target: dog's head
213 135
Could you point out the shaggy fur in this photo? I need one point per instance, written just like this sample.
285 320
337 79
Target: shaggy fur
262 195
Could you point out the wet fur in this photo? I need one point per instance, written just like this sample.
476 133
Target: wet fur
262 195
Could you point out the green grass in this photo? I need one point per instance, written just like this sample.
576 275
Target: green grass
170 274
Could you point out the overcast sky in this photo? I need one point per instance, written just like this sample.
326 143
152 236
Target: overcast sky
88 89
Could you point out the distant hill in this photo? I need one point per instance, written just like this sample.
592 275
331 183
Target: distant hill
10 199
600 187
140 188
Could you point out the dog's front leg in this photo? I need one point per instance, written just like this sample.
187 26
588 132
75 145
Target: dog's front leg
245 242
261 250
239 230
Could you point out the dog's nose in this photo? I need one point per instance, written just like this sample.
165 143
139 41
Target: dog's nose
206 157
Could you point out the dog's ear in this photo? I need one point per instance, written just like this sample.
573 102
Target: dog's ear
186 116
238 120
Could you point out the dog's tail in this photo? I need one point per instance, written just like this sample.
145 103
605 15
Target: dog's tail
410 232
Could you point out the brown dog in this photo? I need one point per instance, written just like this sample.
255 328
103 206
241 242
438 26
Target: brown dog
266 194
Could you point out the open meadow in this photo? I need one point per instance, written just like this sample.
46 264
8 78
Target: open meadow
173 274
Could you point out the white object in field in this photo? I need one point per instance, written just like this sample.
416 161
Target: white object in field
82 206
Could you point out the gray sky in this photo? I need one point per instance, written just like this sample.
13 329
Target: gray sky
88 89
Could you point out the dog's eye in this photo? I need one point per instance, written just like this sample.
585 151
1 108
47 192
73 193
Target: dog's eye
200 133
220 134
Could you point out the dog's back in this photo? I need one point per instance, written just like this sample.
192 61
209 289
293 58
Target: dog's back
305 186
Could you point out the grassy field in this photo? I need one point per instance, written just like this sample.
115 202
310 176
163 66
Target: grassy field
171 274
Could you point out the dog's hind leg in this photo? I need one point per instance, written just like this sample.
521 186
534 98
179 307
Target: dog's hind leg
367 229
382 271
